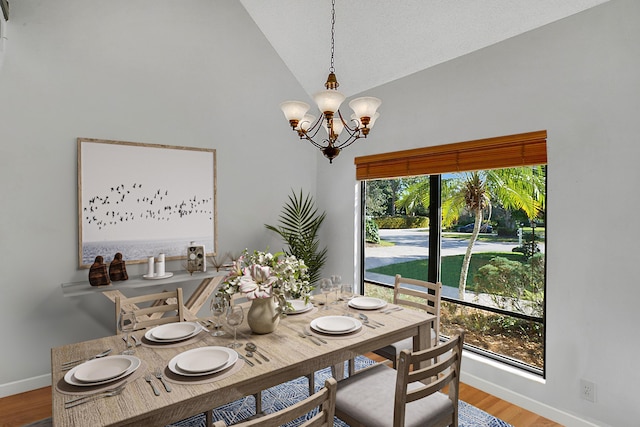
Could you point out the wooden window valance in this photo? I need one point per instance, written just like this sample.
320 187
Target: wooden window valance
500 152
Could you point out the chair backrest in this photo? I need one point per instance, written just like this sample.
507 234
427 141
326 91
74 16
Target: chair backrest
155 311
427 378
427 293
325 399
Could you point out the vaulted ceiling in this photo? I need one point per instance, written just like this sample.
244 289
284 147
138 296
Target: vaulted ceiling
378 41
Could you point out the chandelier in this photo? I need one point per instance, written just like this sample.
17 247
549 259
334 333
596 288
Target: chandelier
328 101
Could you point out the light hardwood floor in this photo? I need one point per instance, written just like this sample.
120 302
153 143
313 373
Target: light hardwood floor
24 408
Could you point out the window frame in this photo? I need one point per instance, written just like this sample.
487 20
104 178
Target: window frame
518 150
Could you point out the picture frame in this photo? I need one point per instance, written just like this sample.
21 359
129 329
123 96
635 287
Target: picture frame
143 199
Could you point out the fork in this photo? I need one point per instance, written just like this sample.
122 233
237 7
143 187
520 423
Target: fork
84 399
148 378
310 335
303 335
158 374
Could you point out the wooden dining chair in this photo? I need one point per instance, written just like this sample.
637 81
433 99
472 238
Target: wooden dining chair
324 399
416 294
153 309
383 397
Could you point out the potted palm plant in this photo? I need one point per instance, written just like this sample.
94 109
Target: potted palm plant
298 226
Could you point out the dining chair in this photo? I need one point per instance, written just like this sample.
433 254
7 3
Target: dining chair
323 399
415 294
383 397
153 309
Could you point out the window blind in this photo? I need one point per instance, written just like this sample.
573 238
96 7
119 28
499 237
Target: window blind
523 149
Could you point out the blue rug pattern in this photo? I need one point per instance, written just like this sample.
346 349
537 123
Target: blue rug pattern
283 395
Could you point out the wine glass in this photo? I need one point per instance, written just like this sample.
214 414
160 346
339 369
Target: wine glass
235 315
326 286
218 307
347 294
126 325
336 281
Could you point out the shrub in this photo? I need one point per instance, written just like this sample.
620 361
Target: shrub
513 285
507 232
402 221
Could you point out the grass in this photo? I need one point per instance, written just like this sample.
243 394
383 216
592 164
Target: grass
450 267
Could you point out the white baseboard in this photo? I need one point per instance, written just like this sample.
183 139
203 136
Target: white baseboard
534 406
28 384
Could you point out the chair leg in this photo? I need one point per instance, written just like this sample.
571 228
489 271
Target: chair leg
258 397
351 367
312 383
208 416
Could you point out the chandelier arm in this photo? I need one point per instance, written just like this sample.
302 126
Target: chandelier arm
313 130
345 123
352 138
320 146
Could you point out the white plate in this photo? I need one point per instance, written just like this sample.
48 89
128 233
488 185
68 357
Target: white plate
335 324
156 277
367 303
173 363
204 359
173 331
299 306
70 378
102 369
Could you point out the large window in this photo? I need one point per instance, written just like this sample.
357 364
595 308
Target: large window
481 232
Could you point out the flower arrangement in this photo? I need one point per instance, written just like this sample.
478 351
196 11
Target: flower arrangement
264 275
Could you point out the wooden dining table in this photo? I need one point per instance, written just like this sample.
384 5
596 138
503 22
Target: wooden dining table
290 356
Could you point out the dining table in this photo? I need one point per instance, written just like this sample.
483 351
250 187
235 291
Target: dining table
290 351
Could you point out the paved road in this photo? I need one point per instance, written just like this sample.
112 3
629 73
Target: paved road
413 244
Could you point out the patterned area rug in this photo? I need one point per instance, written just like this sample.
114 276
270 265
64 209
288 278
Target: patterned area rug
288 393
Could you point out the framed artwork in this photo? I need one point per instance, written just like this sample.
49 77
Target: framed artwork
143 200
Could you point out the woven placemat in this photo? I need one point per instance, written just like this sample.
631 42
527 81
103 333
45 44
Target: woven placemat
203 379
65 388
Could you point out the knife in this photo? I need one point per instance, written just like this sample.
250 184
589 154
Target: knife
250 363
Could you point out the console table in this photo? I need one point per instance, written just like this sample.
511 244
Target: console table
209 281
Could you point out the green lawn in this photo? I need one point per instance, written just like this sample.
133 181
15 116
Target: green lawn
451 266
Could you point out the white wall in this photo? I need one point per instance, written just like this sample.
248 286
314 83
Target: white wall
578 79
198 72
194 73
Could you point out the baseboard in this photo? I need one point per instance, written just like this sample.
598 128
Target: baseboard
28 384
529 404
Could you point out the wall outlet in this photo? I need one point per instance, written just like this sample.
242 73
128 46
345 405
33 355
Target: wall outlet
588 390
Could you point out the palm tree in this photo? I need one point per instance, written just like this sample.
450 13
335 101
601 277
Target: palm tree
415 197
474 192
299 225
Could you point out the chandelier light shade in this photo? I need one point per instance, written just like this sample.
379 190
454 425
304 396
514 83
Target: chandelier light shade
330 119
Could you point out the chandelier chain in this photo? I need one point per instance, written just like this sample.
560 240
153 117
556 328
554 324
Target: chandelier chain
333 32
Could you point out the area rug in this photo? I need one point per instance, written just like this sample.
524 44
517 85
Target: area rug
281 396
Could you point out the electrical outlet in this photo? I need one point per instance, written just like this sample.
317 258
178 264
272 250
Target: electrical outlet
588 390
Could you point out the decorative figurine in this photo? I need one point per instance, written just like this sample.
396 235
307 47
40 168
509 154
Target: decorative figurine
98 275
117 269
